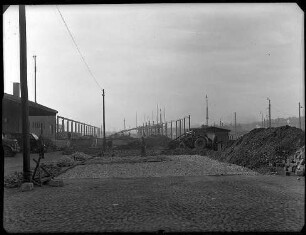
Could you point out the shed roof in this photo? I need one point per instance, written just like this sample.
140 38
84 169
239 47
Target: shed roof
212 129
35 109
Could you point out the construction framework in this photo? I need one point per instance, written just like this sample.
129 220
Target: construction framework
163 128
76 128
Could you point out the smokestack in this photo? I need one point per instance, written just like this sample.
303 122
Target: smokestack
16 89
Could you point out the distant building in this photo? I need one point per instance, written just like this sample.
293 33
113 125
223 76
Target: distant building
41 118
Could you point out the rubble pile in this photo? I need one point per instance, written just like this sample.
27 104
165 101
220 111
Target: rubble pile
296 162
79 156
65 161
263 147
13 180
157 141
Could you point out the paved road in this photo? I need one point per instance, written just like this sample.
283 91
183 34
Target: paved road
181 203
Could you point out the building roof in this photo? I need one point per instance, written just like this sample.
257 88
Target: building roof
35 109
212 129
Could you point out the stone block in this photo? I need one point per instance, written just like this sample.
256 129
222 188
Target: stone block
56 183
28 186
300 172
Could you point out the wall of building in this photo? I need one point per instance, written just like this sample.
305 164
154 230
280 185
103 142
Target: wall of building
11 121
48 126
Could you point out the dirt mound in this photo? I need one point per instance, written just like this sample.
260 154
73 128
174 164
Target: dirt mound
263 147
157 141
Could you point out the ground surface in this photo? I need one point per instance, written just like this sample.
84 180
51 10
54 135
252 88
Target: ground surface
122 194
12 164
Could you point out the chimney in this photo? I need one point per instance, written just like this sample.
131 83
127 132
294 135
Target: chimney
16 89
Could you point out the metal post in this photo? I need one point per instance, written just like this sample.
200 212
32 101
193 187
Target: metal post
63 125
176 129
171 130
180 127
269 112
300 122
24 94
57 125
235 125
104 138
35 76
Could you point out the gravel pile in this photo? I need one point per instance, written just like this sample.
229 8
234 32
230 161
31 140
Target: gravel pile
183 165
263 147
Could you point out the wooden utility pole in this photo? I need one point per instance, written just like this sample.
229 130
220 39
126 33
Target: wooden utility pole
171 129
206 111
104 138
189 122
235 124
157 114
35 75
269 112
300 122
160 114
24 94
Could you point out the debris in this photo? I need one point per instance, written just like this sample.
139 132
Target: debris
56 183
262 146
27 186
65 161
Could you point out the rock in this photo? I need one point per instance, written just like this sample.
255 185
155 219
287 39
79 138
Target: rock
27 186
56 183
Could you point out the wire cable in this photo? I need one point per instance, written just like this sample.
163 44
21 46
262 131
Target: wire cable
78 49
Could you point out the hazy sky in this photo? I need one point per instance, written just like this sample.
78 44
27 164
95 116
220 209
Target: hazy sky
166 54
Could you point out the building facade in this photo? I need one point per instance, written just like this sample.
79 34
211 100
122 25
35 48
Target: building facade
42 120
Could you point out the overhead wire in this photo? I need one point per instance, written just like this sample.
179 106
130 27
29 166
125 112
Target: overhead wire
77 47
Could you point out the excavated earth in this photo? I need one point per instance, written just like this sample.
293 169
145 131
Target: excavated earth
263 147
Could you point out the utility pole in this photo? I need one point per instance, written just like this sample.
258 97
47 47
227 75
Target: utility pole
124 124
104 139
206 111
235 124
160 118
269 112
164 114
24 94
300 123
157 114
136 119
35 76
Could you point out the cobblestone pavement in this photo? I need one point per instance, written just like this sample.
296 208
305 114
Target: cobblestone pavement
182 165
194 203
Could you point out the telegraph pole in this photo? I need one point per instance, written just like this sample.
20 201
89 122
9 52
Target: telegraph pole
235 124
104 139
160 118
24 94
35 75
157 114
269 112
206 111
300 123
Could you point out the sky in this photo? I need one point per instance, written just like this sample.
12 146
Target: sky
170 55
